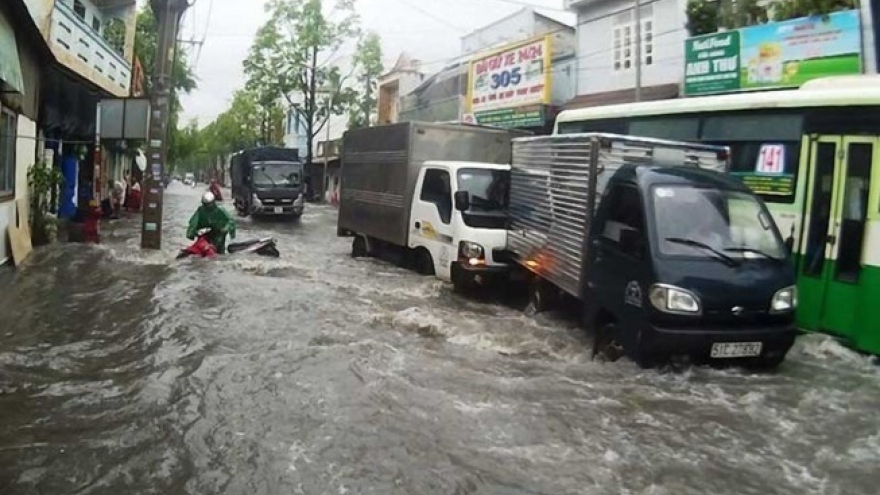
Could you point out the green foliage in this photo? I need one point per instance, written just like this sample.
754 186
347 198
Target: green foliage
294 55
792 9
368 69
707 16
44 180
702 16
114 33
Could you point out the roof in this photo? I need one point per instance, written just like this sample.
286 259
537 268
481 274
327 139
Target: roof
837 91
456 165
565 18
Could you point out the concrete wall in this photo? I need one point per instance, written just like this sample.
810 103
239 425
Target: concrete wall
25 156
595 45
511 28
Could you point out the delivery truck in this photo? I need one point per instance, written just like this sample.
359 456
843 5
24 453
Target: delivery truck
666 253
268 181
430 196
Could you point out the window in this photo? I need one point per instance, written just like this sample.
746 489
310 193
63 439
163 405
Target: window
625 218
79 9
7 152
96 24
676 128
623 39
436 189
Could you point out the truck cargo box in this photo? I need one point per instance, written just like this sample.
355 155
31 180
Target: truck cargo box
557 182
380 167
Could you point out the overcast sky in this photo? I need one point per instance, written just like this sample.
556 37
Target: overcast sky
429 30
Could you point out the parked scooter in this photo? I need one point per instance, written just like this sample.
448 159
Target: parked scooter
203 248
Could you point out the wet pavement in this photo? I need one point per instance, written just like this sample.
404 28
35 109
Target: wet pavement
129 372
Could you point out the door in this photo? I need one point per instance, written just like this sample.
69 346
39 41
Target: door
835 229
431 219
620 255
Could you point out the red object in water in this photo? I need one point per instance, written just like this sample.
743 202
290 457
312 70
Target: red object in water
201 247
135 200
91 227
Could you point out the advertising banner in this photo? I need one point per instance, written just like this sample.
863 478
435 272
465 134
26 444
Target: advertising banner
515 76
775 55
528 116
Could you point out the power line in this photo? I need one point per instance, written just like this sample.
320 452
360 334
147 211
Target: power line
527 4
432 16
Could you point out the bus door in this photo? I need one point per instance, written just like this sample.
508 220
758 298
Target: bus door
835 245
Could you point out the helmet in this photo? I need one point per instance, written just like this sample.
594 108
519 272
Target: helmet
208 198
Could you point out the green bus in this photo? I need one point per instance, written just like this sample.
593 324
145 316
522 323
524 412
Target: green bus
813 155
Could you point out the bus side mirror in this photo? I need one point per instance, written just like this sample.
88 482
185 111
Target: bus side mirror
462 201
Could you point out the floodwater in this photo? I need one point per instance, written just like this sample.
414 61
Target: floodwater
129 372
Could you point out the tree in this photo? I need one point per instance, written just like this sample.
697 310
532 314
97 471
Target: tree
368 69
293 59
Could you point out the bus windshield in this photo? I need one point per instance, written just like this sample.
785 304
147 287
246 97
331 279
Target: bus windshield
703 222
277 174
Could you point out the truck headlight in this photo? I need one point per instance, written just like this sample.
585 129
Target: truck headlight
675 300
256 200
469 249
784 301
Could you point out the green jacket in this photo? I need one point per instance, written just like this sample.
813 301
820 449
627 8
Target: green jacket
216 218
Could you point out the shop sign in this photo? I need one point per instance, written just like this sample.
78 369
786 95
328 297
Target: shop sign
514 76
775 55
530 116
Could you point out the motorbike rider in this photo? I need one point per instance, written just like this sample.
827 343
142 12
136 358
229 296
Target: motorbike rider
214 188
214 217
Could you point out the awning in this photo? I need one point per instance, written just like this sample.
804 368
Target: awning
10 65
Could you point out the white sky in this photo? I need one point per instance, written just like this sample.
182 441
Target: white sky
429 30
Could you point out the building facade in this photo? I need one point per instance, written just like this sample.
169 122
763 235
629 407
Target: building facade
608 71
402 79
22 54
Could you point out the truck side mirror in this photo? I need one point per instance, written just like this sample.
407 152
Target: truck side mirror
462 201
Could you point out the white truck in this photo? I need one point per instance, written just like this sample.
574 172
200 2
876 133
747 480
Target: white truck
432 197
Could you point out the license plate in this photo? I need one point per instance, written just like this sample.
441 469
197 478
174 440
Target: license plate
725 350
279 209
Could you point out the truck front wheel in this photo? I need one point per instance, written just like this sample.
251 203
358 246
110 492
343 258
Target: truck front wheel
358 247
424 263
542 296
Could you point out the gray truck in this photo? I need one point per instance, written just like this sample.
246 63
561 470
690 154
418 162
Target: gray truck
429 196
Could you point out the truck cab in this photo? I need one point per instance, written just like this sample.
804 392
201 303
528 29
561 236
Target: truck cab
688 261
459 217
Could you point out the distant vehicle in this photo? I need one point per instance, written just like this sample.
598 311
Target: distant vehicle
397 197
268 181
189 179
667 253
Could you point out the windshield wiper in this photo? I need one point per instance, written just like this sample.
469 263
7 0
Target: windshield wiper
720 256
269 177
753 250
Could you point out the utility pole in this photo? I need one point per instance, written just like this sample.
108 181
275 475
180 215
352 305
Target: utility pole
638 52
168 14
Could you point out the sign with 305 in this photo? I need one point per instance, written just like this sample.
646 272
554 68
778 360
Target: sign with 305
513 76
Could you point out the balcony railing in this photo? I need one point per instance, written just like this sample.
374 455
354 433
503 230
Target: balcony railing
97 60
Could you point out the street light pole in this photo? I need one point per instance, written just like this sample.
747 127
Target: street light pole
168 14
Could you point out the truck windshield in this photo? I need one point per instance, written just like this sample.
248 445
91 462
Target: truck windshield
703 222
277 174
487 188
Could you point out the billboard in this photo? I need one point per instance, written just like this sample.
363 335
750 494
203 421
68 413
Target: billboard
517 75
775 55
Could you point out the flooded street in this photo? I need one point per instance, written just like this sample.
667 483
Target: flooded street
129 372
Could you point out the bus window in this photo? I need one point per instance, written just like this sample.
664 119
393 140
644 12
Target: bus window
751 127
680 129
614 126
777 188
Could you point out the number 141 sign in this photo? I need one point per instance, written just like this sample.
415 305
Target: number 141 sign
771 160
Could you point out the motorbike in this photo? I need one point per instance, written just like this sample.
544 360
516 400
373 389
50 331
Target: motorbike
202 247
